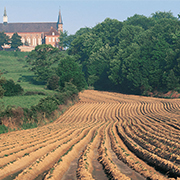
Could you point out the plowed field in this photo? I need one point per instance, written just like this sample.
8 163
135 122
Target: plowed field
105 135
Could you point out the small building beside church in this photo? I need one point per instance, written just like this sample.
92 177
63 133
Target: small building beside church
33 34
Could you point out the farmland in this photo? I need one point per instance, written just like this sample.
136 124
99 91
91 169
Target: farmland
104 135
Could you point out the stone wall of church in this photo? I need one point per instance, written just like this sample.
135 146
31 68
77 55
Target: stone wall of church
52 39
30 38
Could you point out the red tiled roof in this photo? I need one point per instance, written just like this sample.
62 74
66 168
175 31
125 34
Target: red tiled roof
51 31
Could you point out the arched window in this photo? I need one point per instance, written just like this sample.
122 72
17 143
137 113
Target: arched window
34 41
39 41
29 40
23 40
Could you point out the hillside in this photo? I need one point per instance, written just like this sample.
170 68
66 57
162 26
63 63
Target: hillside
13 65
102 130
28 101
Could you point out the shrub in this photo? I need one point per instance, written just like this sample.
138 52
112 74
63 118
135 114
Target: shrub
29 93
28 114
7 112
3 129
70 89
16 113
61 97
29 125
2 81
53 82
1 92
12 89
47 105
177 89
71 71
30 118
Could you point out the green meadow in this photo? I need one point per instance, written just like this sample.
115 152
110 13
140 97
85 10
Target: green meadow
13 66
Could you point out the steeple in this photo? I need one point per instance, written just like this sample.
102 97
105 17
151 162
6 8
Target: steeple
60 18
5 18
5 14
60 23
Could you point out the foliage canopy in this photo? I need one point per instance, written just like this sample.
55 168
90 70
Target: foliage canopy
138 55
4 39
15 41
42 60
2 81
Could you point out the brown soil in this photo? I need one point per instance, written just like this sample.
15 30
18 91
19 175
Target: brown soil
123 167
71 172
144 140
98 172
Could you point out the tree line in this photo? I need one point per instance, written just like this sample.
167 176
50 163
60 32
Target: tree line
138 56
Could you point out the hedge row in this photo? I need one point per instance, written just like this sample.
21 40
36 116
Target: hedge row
28 118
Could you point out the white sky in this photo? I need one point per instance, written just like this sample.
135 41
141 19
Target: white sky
77 14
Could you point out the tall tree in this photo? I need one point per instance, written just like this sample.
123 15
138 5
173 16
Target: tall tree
42 59
140 20
70 71
15 41
159 15
4 39
65 40
98 64
137 55
172 80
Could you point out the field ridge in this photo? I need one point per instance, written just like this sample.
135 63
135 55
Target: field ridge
142 132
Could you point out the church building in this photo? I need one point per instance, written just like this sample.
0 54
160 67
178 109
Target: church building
33 34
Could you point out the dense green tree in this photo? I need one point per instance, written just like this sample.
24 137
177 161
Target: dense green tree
70 89
65 40
138 55
98 64
16 41
127 35
140 20
82 31
161 15
81 49
42 60
2 81
12 89
108 30
72 43
172 81
70 71
4 39
173 61
81 46
53 82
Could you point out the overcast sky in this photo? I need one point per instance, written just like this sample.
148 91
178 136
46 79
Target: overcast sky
77 14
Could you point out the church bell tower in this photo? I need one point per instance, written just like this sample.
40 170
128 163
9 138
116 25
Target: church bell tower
5 18
60 23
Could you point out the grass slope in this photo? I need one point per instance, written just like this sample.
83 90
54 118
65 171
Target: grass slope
13 66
